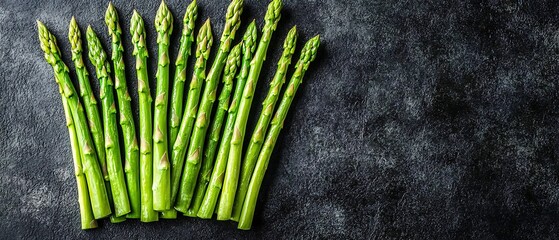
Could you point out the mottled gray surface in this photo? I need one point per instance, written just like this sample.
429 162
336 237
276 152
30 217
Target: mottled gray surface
419 120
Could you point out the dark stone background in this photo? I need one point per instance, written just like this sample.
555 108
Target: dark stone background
418 120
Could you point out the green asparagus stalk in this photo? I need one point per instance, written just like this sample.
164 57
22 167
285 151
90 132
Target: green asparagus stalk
114 218
131 150
308 54
204 44
231 66
138 32
234 162
168 214
94 177
87 219
193 161
214 187
262 125
88 98
161 165
116 175
177 95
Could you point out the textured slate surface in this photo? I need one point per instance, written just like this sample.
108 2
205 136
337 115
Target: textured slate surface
419 119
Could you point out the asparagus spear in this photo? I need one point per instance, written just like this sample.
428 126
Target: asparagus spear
262 125
86 93
204 44
231 66
116 176
88 98
138 33
87 219
94 177
308 54
177 94
234 162
193 161
131 154
212 193
114 218
161 172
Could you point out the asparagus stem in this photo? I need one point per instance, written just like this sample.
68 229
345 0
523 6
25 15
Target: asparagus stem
87 219
231 66
308 54
116 175
90 105
268 106
234 162
204 44
161 172
117 219
193 161
177 95
168 214
131 150
214 187
94 177
113 217
89 102
138 32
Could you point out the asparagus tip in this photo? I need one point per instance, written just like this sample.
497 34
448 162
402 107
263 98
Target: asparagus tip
74 36
164 19
273 13
42 27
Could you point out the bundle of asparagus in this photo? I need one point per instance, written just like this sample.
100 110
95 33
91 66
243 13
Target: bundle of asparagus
188 156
